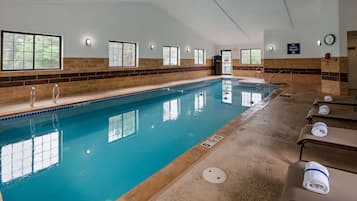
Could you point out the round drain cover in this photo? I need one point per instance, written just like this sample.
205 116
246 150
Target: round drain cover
214 175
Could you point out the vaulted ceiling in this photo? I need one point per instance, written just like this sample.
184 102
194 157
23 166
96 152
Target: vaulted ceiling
241 21
226 22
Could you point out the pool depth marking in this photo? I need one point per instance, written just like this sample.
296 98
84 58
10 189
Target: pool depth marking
211 141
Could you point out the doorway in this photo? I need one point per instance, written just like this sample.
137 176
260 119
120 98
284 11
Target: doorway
226 62
352 59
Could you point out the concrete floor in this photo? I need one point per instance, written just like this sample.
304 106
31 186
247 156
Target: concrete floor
256 156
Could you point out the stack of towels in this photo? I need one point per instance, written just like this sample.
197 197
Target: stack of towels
316 178
319 129
324 110
328 98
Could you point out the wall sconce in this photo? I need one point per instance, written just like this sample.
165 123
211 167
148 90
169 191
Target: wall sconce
188 49
319 43
152 47
271 48
88 42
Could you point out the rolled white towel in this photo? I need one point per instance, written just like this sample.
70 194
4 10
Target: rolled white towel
324 110
319 129
316 178
319 124
328 98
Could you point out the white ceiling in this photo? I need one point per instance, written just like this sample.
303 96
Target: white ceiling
227 22
207 18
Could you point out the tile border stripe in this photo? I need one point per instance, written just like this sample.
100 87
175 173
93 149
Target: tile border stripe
12 81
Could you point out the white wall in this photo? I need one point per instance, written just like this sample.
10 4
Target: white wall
348 21
305 28
334 16
330 24
279 39
236 48
137 22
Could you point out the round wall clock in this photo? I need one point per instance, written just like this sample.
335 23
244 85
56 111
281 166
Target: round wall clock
330 39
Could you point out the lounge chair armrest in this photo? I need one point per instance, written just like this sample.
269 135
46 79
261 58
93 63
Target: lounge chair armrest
316 101
310 114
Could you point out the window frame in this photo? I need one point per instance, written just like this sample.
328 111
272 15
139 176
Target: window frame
177 56
250 56
122 55
198 56
33 51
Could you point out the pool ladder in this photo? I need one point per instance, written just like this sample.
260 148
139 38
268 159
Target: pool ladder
32 96
55 93
271 78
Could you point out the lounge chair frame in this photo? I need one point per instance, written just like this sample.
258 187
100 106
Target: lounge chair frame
303 140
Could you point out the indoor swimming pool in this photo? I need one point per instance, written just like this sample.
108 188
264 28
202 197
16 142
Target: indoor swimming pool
100 150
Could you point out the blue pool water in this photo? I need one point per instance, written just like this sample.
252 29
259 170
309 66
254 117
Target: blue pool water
98 151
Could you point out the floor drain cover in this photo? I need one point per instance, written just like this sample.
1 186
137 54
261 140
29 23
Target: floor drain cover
214 175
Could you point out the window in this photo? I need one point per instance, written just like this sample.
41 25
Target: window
200 56
250 56
170 56
27 51
122 54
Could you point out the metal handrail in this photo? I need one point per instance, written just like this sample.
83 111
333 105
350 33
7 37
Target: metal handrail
274 76
55 93
32 96
261 72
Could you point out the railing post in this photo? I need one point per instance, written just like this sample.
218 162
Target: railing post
32 96
55 93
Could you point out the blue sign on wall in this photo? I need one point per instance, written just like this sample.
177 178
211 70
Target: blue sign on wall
293 48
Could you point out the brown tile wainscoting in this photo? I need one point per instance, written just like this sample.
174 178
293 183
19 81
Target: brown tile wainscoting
79 65
247 71
293 70
236 62
70 87
278 70
335 64
334 76
296 63
80 75
342 77
254 68
310 81
337 88
24 80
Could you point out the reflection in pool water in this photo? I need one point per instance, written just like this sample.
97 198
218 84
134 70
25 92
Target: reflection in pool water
171 109
249 99
200 101
123 125
24 157
227 91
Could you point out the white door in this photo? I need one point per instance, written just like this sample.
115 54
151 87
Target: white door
226 62
352 62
